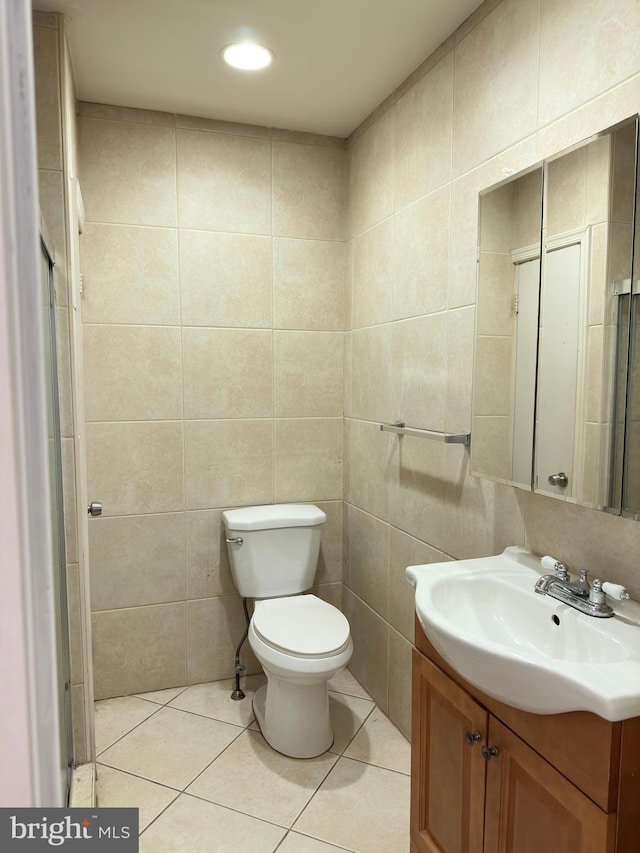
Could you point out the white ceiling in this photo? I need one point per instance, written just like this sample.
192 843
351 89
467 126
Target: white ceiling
335 60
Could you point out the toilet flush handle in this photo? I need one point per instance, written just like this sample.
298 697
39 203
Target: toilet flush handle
237 541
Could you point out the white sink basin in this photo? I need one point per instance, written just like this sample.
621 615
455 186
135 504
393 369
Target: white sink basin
528 650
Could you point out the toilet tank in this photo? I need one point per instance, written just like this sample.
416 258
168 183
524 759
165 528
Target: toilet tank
279 551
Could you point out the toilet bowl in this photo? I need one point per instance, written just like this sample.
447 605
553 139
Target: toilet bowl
301 642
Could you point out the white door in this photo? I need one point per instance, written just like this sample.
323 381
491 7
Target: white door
559 360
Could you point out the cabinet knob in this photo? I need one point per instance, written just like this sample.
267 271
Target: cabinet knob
472 737
560 479
488 752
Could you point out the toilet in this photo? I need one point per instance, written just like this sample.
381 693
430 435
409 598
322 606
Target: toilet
300 640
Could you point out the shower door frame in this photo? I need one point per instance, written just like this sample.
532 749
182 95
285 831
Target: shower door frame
31 757
57 496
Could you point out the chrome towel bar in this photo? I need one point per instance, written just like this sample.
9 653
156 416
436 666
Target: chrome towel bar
401 428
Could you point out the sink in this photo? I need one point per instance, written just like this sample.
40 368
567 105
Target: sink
527 650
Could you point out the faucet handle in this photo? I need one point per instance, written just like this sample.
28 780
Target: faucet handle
615 590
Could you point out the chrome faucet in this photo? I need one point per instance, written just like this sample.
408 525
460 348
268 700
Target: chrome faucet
585 597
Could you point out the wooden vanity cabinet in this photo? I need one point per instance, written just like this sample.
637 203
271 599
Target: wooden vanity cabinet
564 783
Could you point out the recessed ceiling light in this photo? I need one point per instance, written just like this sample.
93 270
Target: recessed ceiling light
247 55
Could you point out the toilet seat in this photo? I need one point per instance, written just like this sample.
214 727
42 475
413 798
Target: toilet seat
304 626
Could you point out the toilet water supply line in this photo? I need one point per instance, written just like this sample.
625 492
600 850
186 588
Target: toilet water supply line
238 693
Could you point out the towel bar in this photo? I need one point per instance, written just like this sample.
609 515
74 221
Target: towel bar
401 428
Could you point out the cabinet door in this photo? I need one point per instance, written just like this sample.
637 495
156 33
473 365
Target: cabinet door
530 807
447 774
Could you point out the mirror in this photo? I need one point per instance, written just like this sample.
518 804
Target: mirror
507 312
556 400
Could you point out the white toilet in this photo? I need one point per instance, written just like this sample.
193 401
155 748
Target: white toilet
300 640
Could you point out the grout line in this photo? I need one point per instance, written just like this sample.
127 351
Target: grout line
212 420
338 757
161 604
357 731
120 325
178 794
153 701
313 838
128 325
406 775
117 224
129 731
144 225
237 811
207 717
184 420
144 779
274 455
318 786
213 760
353 695
270 236
138 776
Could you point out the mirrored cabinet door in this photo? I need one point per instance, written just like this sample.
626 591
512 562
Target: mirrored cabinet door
556 404
573 401
626 444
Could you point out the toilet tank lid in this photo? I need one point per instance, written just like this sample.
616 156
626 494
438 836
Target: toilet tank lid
273 516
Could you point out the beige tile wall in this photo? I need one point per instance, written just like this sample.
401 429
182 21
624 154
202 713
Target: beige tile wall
213 307
519 82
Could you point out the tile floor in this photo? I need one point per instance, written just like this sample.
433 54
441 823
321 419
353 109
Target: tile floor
195 764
